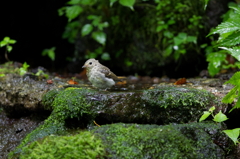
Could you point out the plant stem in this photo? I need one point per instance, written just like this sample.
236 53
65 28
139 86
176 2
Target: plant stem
6 56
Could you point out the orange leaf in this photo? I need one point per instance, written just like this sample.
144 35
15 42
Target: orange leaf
181 81
49 81
71 81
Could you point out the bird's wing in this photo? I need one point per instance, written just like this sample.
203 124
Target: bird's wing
106 71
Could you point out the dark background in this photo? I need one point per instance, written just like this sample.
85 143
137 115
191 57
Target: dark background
36 26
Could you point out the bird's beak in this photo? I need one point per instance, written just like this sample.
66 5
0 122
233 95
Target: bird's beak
83 66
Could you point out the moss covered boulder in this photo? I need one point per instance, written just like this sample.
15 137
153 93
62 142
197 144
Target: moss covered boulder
133 141
82 106
162 105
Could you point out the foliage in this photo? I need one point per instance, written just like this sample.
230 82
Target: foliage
234 92
83 145
50 53
40 73
149 34
220 117
228 41
23 69
233 134
7 42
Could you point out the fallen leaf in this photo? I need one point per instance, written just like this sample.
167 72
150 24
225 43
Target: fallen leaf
181 81
71 81
49 81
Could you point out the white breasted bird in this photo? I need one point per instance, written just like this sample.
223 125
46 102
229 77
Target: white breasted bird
100 76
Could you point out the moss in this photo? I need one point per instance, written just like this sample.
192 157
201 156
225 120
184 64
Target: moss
68 103
178 104
165 104
65 103
8 67
83 145
132 141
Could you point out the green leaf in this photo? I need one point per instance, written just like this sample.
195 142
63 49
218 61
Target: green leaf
236 106
212 69
168 34
61 11
23 69
231 40
204 116
74 2
3 43
25 66
86 29
225 28
234 80
9 48
192 39
211 109
112 2
182 35
2 74
6 39
11 41
235 51
127 3
50 53
215 60
181 38
168 51
229 98
205 4
236 9
99 37
233 134
73 11
220 117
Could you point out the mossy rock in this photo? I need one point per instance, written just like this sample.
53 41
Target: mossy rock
132 141
162 105
178 104
157 106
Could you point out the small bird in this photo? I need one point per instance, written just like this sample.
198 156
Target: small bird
100 76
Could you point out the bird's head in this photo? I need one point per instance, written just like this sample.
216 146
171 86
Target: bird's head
90 63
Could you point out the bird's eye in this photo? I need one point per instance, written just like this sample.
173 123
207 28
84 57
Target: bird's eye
90 63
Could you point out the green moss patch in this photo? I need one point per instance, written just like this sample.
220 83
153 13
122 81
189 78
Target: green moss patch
178 104
83 145
133 141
